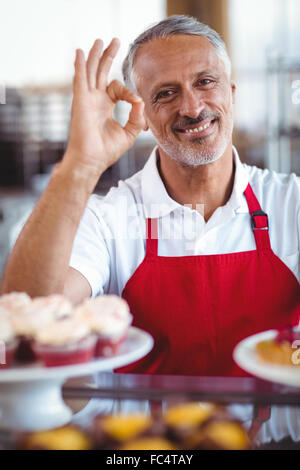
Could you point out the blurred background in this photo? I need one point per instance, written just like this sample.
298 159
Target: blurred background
38 39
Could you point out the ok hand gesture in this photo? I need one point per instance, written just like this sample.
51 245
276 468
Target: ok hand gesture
96 139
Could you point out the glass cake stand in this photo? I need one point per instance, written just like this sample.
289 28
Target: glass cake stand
31 395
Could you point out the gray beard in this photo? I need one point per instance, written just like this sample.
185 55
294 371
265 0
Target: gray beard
187 156
191 156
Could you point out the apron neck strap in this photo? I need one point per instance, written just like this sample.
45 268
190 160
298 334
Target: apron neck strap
259 220
151 237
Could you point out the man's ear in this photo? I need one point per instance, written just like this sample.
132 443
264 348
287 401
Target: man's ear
233 90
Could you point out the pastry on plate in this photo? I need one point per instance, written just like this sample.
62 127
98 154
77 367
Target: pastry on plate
283 349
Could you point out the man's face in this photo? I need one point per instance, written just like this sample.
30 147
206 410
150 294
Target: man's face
188 97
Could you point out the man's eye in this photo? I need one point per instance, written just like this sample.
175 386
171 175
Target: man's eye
164 94
205 81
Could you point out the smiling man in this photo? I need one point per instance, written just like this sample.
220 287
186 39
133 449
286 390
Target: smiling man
212 254
188 100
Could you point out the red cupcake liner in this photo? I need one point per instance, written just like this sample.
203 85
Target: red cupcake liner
106 347
77 353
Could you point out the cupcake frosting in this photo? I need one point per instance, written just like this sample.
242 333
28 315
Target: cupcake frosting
41 312
107 315
56 305
15 301
62 332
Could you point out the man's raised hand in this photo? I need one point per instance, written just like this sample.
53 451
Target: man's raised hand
96 139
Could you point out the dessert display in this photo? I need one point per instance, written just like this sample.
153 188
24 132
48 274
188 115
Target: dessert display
109 318
213 429
281 350
49 329
184 426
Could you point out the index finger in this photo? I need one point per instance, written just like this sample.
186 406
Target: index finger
80 77
105 63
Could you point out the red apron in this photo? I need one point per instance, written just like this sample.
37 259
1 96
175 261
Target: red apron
197 308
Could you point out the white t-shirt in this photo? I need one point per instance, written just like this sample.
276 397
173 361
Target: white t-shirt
110 242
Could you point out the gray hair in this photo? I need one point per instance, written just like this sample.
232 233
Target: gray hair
173 25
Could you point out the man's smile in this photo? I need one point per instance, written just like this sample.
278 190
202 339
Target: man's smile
202 129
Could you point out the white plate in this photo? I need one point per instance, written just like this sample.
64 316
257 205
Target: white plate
246 357
31 396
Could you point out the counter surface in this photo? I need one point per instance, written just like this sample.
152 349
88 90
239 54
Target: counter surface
245 398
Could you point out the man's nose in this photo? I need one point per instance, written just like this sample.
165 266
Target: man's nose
191 104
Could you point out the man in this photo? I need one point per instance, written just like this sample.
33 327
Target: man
200 293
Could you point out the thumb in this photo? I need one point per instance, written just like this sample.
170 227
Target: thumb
136 121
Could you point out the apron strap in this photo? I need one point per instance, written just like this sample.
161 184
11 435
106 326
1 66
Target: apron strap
259 220
151 237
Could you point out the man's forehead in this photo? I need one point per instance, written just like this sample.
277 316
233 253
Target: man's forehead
164 57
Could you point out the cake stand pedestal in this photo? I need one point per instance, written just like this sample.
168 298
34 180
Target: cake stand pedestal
33 405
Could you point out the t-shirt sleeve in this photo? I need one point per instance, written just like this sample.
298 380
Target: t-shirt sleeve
90 252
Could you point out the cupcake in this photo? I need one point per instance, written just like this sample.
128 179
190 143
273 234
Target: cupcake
282 350
63 342
34 315
8 340
109 318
